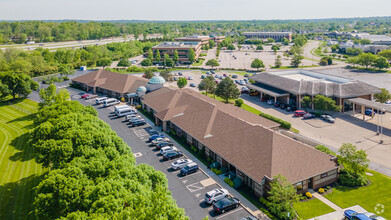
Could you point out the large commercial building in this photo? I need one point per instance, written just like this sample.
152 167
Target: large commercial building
183 49
375 39
249 146
277 36
109 83
202 39
366 48
291 86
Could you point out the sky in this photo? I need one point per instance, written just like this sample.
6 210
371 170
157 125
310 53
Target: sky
190 9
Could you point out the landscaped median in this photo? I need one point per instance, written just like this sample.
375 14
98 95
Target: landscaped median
284 124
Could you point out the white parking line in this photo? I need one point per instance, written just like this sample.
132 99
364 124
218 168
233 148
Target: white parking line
221 216
194 187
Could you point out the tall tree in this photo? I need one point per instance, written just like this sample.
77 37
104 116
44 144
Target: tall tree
227 89
282 195
212 44
212 63
366 59
306 101
208 85
325 103
355 160
182 82
386 54
47 95
381 63
176 56
157 56
277 62
257 63
296 60
191 56
383 97
19 84
150 55
166 75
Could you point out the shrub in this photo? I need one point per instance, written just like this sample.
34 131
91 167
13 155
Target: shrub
308 194
224 169
237 182
347 178
328 187
283 123
263 201
239 102
122 99
229 181
218 172
326 150
321 190
208 159
173 132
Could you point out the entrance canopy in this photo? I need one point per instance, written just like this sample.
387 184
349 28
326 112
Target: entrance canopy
370 104
268 90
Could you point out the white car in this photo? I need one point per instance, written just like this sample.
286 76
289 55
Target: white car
132 117
215 195
167 149
159 140
373 216
179 164
244 88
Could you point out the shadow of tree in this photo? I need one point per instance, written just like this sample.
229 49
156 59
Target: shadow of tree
29 117
25 152
16 200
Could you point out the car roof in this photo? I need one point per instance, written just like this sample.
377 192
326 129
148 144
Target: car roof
192 164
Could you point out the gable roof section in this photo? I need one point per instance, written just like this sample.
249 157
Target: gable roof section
243 141
117 82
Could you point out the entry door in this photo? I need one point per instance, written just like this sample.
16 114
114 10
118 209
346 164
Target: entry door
310 182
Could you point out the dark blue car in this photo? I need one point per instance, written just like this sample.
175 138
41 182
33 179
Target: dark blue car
353 215
153 137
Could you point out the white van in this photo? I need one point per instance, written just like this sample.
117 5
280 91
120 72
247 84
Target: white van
125 111
110 102
100 100
118 107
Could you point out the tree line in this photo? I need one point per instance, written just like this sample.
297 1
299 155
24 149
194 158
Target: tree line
92 171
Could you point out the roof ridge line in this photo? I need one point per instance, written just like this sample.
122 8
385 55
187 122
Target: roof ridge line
211 121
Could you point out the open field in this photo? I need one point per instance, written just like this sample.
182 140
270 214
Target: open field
374 197
19 173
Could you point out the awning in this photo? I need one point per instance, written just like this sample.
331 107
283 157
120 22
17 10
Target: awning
370 104
131 95
268 90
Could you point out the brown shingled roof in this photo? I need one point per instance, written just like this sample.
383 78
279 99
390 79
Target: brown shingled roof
243 139
117 82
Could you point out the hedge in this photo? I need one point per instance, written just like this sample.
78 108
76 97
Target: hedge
229 182
283 123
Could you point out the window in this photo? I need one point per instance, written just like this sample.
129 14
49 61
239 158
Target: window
299 186
323 175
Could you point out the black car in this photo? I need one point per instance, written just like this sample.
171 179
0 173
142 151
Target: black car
170 156
226 204
282 106
246 75
137 123
290 108
164 144
277 104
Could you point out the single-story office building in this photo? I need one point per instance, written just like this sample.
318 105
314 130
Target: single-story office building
290 87
248 145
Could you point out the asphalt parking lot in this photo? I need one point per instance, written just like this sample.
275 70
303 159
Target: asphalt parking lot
188 190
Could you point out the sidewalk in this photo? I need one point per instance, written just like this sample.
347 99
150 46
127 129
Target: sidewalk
326 201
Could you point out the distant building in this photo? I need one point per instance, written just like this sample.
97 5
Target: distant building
367 48
202 39
277 36
183 49
375 39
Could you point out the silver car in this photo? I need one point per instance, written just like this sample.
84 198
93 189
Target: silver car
215 195
179 164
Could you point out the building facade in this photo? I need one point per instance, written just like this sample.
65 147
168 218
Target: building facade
183 49
202 39
277 36
248 146
290 87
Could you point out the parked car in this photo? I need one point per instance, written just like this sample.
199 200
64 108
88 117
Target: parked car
189 169
246 75
327 118
234 76
155 136
190 78
373 216
221 77
236 81
277 104
217 82
299 113
208 73
100 100
163 144
290 108
180 74
353 215
192 85
283 106
167 149
224 74
90 96
253 92
132 117
175 78
110 102
203 76
308 116
215 195
226 204
160 140
85 95
172 155
270 102
138 122
212 71
217 76
244 89
179 164
369 112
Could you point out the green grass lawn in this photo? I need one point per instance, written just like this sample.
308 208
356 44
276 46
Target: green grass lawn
290 67
311 208
378 192
19 173
198 62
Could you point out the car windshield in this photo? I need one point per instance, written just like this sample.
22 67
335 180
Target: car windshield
208 196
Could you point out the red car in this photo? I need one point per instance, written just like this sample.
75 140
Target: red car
299 113
85 95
